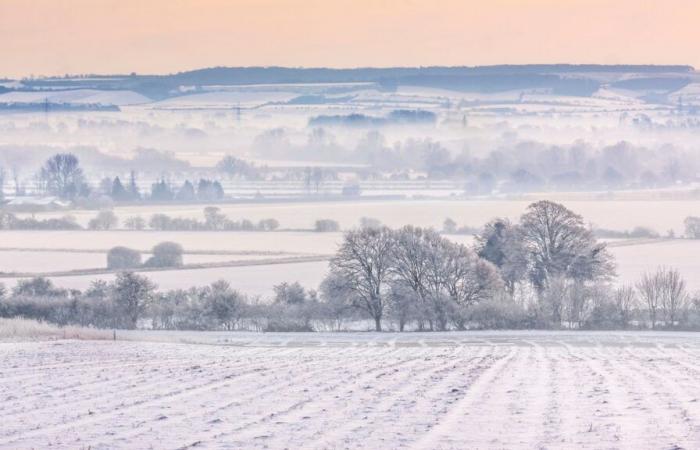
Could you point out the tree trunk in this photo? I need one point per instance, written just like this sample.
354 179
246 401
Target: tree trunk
378 323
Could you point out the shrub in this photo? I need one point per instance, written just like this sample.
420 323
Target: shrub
135 223
326 225
105 220
9 221
166 254
692 227
123 258
268 224
160 222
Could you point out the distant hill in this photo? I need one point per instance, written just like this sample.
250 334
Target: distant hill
562 79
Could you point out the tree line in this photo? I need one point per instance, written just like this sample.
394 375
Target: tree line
546 271
62 176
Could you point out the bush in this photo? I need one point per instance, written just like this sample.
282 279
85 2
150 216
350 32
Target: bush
268 224
166 254
692 227
105 220
498 313
370 222
636 232
326 225
160 222
9 221
123 258
135 223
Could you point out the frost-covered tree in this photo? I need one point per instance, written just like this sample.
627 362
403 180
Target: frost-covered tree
223 305
289 293
364 262
214 219
63 177
133 294
123 258
625 301
649 290
104 220
449 226
165 254
557 244
692 227
442 275
674 297
499 243
135 223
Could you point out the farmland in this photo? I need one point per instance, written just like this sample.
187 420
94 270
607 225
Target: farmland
456 390
266 258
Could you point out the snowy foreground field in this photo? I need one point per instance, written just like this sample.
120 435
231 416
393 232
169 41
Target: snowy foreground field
373 391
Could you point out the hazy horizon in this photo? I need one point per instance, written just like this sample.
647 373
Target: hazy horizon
358 67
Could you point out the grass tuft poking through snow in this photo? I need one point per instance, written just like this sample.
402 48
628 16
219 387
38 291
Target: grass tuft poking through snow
25 329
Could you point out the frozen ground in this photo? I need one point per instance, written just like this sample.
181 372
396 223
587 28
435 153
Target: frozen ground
418 391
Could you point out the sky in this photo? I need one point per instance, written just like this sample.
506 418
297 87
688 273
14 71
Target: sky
56 37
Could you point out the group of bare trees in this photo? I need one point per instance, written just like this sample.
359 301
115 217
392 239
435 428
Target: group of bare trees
418 275
413 273
664 295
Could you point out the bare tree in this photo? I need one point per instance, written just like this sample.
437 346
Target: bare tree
650 293
63 176
105 220
441 273
337 299
625 300
214 218
664 291
404 307
133 294
409 264
469 279
558 244
692 227
581 301
449 226
223 305
674 297
135 223
552 300
363 261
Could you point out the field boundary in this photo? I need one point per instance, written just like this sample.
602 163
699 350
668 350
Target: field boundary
213 265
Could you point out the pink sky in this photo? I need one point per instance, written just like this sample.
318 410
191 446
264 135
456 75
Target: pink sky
49 37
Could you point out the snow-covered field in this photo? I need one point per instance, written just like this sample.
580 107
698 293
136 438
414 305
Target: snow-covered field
420 391
613 214
56 261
